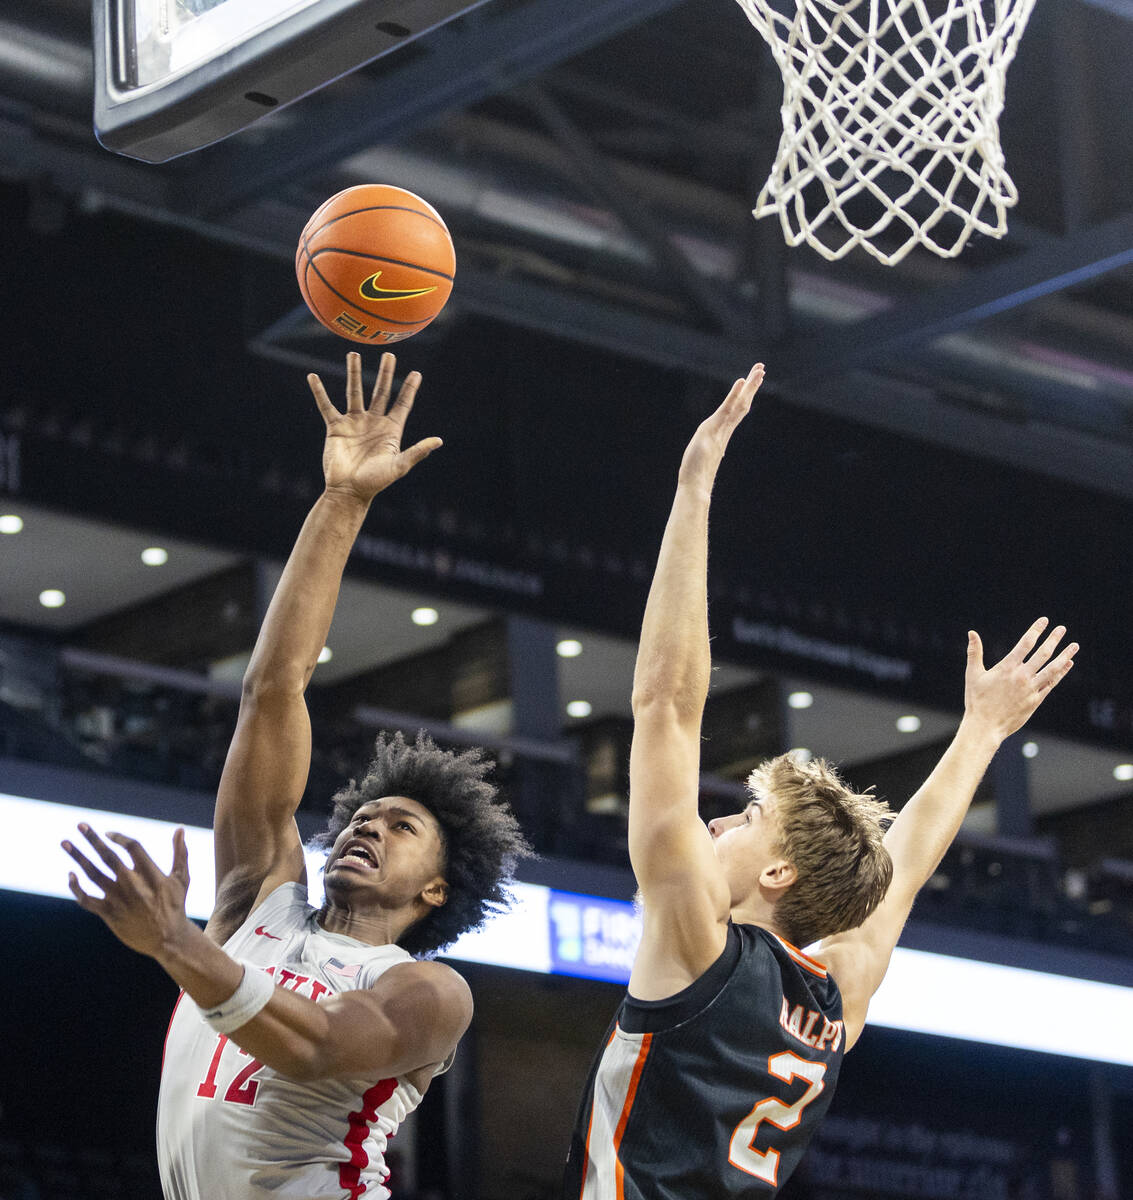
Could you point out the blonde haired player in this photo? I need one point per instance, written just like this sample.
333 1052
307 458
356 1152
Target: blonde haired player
724 1053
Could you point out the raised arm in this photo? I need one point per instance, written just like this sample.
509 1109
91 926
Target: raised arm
685 902
257 843
997 702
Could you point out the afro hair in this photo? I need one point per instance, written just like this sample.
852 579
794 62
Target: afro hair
482 839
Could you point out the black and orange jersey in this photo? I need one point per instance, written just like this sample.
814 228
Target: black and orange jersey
716 1091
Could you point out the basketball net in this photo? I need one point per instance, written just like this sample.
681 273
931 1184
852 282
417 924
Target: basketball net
890 122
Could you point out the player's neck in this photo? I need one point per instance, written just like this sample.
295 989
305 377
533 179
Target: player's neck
380 927
756 911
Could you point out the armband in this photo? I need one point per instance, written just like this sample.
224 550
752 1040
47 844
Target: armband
255 990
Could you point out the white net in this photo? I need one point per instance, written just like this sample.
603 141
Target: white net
890 122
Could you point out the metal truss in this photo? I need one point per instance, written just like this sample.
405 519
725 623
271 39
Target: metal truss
460 64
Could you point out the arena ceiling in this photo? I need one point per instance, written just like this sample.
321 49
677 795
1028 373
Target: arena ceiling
597 165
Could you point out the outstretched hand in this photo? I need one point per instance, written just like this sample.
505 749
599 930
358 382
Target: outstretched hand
702 458
1005 696
143 907
363 453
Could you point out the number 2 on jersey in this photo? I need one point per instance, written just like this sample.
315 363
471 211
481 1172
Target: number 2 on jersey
242 1089
764 1164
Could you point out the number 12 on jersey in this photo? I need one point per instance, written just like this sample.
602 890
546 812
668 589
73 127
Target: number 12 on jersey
244 1085
764 1164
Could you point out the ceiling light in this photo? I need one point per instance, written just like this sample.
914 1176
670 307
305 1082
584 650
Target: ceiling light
909 723
326 654
579 708
569 648
52 598
800 700
424 616
1123 771
801 754
1030 749
155 556
10 523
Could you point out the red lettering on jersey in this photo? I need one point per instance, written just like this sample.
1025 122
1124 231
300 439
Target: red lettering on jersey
207 1087
243 1088
286 976
318 990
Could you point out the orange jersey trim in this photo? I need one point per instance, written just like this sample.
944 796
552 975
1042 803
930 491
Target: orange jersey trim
590 1129
811 964
635 1079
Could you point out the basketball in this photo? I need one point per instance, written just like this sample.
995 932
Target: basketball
375 263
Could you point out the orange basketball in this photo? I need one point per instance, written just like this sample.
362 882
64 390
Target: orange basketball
375 263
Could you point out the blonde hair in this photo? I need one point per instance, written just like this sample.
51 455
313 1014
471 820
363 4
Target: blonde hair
833 837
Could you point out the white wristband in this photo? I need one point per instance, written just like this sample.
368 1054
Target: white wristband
255 990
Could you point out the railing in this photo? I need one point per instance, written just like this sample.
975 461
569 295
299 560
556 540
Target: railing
173 726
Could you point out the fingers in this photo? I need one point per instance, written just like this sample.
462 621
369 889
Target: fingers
1047 670
737 403
354 400
403 405
975 651
379 398
328 410
103 850
85 901
1047 648
180 857
1027 642
89 869
743 390
1045 667
1057 669
143 864
421 450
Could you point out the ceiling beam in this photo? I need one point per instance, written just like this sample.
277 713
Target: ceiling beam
459 65
1088 455
553 310
1044 269
1080 140
600 175
1119 8
74 167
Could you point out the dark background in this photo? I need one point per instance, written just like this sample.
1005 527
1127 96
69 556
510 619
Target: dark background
940 445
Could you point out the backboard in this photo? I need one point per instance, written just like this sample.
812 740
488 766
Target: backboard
172 76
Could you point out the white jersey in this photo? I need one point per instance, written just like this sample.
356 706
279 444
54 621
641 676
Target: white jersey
231 1128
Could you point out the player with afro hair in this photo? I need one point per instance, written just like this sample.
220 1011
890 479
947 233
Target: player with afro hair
481 839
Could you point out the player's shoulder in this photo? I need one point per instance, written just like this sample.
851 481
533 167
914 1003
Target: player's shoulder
811 961
426 974
282 912
287 904
848 965
797 975
845 961
421 985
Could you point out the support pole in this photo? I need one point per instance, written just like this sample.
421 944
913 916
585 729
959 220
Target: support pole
1010 778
